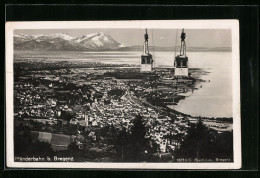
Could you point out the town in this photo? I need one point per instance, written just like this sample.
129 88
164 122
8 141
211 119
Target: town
76 104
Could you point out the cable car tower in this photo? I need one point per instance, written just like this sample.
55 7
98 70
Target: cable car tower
181 61
146 57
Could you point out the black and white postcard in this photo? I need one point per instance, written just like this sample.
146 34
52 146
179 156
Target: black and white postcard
157 94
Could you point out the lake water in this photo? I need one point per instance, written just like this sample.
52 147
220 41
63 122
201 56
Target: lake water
214 99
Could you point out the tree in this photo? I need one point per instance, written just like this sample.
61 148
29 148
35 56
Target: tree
195 143
57 127
201 143
66 115
72 151
72 147
224 145
135 147
24 145
121 144
116 93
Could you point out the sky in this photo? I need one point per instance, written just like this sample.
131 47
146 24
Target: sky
157 37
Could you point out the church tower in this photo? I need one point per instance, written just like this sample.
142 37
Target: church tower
146 57
86 119
181 61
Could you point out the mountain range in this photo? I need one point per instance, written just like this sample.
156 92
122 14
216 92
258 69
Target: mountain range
177 48
64 42
91 42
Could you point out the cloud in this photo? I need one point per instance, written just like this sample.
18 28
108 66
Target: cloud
162 37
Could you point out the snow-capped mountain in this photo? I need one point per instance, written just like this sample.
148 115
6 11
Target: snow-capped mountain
62 35
61 41
97 41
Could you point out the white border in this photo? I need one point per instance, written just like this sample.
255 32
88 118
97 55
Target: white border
158 24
